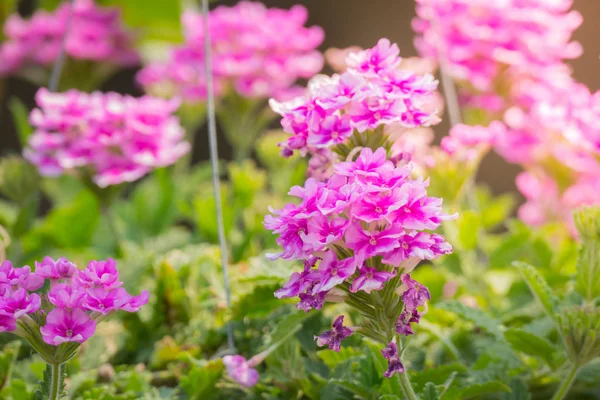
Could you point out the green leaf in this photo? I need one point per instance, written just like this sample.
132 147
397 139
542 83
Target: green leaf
43 393
538 286
153 202
430 392
528 343
8 358
480 389
199 382
474 315
153 19
438 375
356 388
20 116
469 223
59 227
333 358
518 391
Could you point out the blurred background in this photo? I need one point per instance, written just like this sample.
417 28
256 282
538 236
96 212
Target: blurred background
346 23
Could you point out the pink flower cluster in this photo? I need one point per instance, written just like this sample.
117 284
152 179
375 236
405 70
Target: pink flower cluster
109 137
74 301
479 39
374 91
367 210
95 34
259 52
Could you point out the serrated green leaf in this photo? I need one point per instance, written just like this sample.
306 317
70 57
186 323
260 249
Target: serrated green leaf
430 392
538 286
333 358
199 383
438 375
474 315
480 389
355 388
528 343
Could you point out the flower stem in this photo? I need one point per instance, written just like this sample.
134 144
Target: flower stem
566 384
113 230
55 381
405 384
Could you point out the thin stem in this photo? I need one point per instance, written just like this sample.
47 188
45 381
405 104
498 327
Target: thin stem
60 61
214 160
113 230
56 371
566 384
405 384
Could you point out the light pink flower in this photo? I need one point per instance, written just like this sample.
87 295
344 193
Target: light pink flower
67 326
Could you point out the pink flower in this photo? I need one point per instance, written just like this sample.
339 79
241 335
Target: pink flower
240 370
367 244
55 270
333 337
67 326
95 34
415 294
370 279
333 271
19 277
114 138
65 295
407 317
373 92
381 59
105 301
259 52
8 323
18 303
103 274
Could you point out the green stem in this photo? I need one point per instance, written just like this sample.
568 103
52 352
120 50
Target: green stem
566 384
55 381
405 384
113 230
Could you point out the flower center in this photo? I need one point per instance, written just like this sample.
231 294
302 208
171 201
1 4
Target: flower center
334 271
69 333
369 275
378 210
335 134
373 241
377 115
407 210
405 245
101 306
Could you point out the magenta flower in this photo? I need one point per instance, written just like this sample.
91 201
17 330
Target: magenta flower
19 277
135 303
260 56
67 296
105 301
18 303
390 353
367 244
333 337
8 323
240 370
405 319
299 281
333 271
95 34
103 274
114 138
373 92
415 295
370 279
67 326
55 270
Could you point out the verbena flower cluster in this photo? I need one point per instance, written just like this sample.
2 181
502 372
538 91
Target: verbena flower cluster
259 52
479 39
95 33
72 303
355 232
109 137
374 91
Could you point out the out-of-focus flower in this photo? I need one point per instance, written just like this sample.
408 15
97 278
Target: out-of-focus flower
390 353
257 51
109 137
240 370
373 92
332 338
480 39
95 33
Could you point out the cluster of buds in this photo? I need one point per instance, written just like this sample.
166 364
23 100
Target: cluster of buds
57 307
